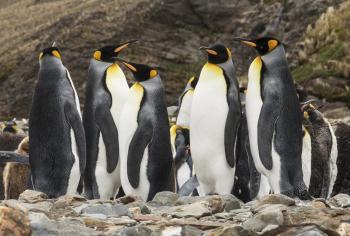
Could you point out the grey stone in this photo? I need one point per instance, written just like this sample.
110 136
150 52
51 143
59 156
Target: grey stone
231 202
230 231
108 210
259 221
340 200
96 215
135 231
273 199
166 198
32 196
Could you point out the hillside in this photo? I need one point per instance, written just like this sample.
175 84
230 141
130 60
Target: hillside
170 33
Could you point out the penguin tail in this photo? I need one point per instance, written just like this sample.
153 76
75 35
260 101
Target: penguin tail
6 156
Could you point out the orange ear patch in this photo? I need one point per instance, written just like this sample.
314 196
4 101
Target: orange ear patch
153 73
97 55
272 44
56 54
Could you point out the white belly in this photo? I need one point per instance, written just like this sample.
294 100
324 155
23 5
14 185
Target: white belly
127 128
183 118
208 119
264 188
183 174
333 161
74 176
107 183
306 159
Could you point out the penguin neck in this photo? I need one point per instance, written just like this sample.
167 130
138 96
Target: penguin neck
254 76
276 56
50 62
152 84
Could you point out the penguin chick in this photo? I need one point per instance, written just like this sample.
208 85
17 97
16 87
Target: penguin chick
324 152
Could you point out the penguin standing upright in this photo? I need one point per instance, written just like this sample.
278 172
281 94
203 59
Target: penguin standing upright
324 152
180 135
274 118
144 139
56 134
215 120
106 93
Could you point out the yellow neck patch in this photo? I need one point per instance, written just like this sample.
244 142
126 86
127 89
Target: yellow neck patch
41 55
229 53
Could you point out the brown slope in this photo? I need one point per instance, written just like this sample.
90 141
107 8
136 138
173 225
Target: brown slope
170 32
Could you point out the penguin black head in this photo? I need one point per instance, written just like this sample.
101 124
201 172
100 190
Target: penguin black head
262 45
217 53
311 113
50 51
109 53
140 72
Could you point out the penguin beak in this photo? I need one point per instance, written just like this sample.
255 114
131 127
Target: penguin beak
127 64
247 42
209 51
304 105
124 45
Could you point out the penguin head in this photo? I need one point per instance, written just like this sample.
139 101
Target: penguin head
52 52
311 113
262 45
140 72
217 53
110 53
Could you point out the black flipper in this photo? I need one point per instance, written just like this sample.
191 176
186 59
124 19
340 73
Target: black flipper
189 186
76 124
233 118
7 156
105 122
142 137
266 128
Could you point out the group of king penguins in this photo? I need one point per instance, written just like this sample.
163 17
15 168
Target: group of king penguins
227 140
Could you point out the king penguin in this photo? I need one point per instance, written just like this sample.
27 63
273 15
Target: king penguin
57 153
215 121
106 94
180 135
274 118
144 138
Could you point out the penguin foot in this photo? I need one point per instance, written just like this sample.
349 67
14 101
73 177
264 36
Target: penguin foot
288 193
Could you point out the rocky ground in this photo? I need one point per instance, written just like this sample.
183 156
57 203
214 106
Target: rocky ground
169 214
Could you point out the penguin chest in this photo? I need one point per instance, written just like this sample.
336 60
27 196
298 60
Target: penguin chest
306 158
118 89
127 128
253 108
183 118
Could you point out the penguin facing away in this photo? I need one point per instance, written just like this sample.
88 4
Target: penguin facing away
106 94
144 138
215 119
57 151
274 118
